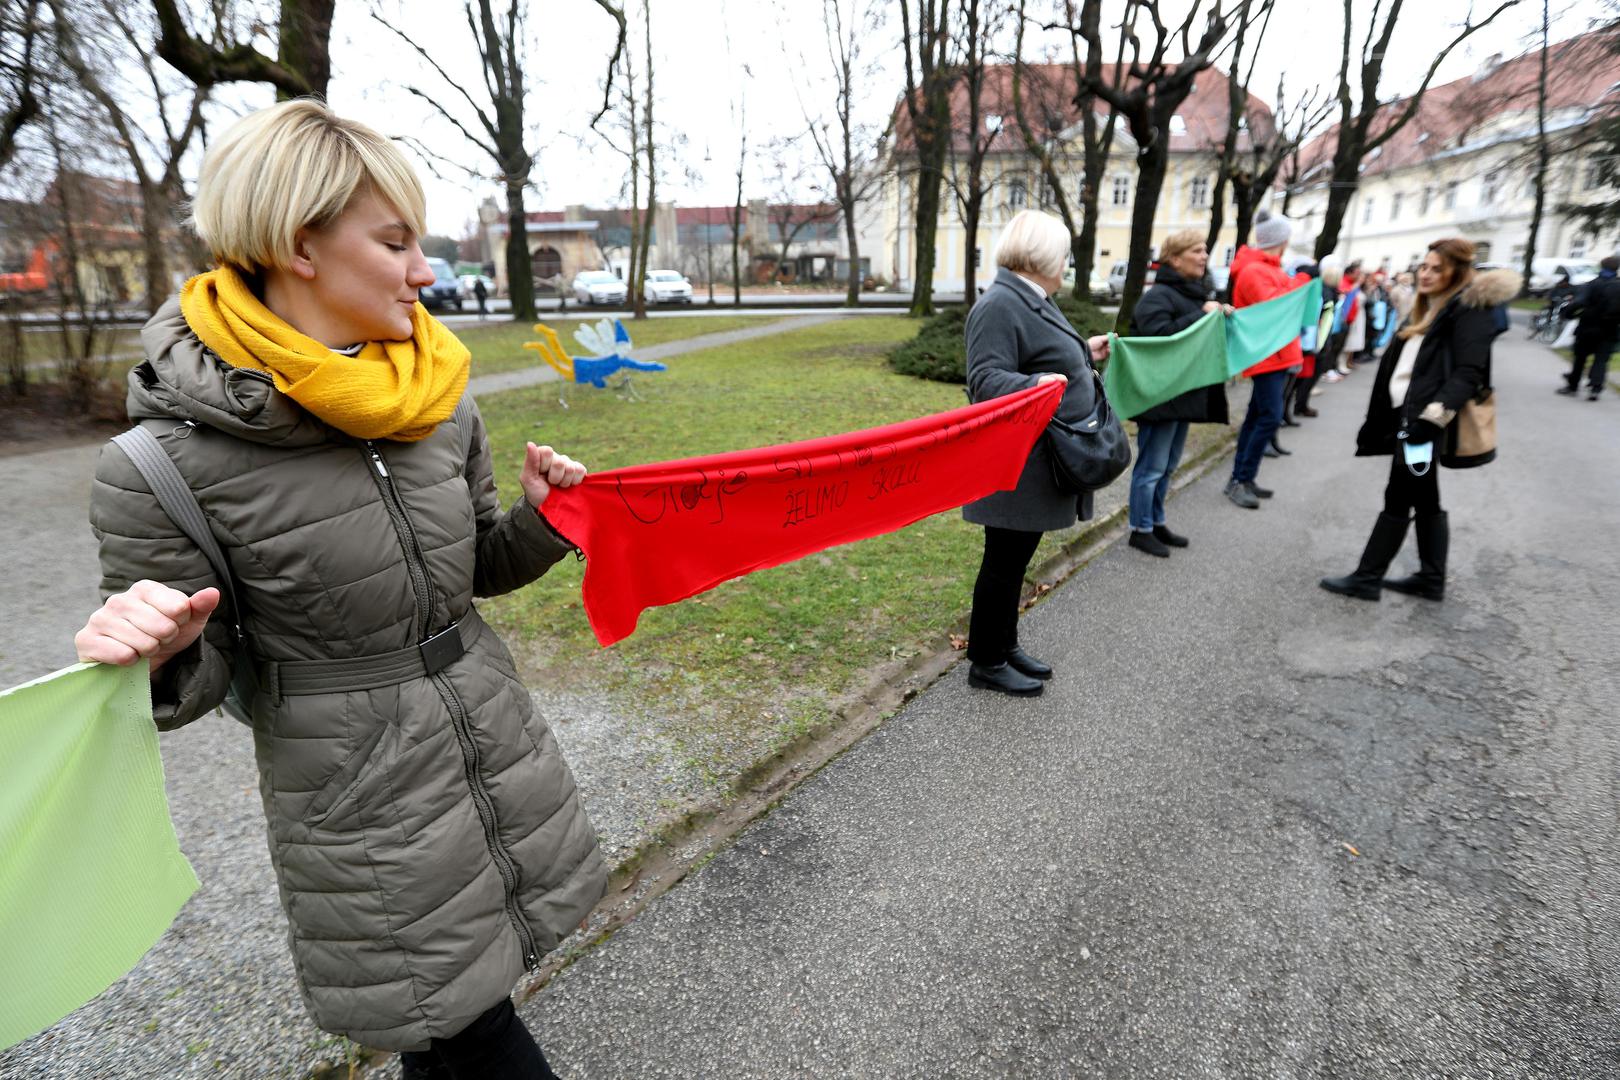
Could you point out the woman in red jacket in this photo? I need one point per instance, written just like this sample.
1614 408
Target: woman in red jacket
1257 275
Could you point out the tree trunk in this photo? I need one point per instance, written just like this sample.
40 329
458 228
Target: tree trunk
638 284
1151 166
519 272
927 226
1542 153
852 290
154 213
736 244
1346 177
305 43
1246 198
970 256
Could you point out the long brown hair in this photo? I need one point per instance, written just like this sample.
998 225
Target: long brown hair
1456 256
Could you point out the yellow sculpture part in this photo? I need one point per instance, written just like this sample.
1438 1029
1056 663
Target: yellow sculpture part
551 351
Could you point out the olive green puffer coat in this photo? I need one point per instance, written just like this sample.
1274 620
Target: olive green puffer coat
427 836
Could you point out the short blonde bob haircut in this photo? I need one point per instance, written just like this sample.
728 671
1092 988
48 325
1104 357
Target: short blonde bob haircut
1179 243
292 166
1034 243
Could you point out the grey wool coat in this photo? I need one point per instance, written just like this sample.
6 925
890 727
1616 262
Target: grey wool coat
1013 338
427 837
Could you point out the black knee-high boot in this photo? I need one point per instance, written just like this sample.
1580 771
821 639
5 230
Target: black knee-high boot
1389 532
1433 542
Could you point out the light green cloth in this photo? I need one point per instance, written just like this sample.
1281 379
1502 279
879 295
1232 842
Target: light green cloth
91 874
1146 371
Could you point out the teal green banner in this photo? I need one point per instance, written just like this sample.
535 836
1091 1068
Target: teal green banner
91 874
1146 371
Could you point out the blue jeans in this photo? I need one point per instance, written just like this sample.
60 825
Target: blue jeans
1158 452
1259 424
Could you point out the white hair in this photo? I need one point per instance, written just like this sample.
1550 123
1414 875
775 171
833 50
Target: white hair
1034 242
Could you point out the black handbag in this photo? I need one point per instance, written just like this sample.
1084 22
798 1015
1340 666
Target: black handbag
1092 453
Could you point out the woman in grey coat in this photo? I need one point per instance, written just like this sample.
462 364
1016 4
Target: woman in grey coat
1017 338
428 840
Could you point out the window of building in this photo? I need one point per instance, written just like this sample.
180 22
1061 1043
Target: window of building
1122 190
1178 124
1017 195
1200 192
1451 195
1594 173
1577 247
1367 211
1395 201
1425 200
1492 187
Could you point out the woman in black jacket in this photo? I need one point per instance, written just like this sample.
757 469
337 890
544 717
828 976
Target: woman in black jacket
1438 362
1180 297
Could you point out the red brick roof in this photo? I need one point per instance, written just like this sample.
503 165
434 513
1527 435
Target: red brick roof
1048 92
1583 71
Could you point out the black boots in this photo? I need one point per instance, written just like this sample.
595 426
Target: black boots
1035 669
1389 531
1005 678
1433 541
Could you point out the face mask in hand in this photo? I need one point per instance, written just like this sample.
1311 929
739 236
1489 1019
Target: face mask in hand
1419 458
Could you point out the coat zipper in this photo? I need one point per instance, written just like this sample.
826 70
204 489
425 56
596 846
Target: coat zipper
422 587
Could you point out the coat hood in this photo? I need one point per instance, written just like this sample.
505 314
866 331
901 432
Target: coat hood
1247 256
182 379
1490 288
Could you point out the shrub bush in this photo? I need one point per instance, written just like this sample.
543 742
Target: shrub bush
939 351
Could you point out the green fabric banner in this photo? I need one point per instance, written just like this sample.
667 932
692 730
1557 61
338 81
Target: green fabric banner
1146 371
91 874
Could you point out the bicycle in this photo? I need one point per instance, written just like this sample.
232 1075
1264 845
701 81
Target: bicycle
1548 324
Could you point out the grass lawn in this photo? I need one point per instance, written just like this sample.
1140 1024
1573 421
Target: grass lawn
498 346
730 675
48 345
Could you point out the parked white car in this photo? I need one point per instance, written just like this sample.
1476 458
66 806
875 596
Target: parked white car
667 287
599 287
1544 273
1116 278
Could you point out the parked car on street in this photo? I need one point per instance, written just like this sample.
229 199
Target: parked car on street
1097 286
599 287
1544 273
445 291
1116 278
667 287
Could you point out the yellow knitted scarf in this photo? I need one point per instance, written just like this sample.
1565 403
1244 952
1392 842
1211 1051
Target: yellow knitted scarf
397 390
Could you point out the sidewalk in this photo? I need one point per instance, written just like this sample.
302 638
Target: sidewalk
1252 829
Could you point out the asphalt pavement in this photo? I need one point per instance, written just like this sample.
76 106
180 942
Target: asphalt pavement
1251 830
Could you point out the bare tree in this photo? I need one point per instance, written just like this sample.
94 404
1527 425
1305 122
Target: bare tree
638 279
841 152
1542 151
737 205
20 49
155 164
1366 124
979 22
787 215
1152 94
1273 143
926 39
302 64
1237 92
501 131
1043 118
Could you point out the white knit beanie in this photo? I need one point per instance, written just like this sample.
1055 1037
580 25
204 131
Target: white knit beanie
1271 229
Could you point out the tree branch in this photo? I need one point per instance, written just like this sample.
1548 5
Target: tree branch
206 65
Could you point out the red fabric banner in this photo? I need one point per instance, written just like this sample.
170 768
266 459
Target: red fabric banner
655 534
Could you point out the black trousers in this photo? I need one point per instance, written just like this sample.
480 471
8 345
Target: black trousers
1406 494
993 627
496 1046
1599 351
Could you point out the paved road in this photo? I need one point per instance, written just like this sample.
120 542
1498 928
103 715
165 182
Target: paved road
1149 871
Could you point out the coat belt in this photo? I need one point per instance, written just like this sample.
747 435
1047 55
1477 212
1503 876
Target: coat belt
291 678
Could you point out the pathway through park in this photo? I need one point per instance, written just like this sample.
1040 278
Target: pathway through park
1251 829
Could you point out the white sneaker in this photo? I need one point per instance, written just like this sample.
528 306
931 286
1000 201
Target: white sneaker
1332 376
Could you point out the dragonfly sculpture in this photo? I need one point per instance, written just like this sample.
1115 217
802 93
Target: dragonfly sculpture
608 342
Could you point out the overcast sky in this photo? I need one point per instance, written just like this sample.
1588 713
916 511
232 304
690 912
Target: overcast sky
716 60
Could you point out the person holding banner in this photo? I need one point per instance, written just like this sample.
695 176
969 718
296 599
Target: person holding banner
1180 296
426 833
1257 275
1437 364
1017 338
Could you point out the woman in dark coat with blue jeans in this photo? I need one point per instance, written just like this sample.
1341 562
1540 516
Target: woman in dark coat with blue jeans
1017 338
1180 296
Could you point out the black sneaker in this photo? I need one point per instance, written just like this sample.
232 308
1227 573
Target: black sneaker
1146 541
1259 492
1593 396
1568 391
1240 494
